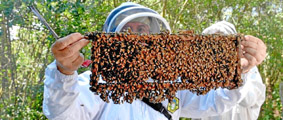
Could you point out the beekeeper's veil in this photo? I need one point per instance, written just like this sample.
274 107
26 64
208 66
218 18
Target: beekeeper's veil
128 12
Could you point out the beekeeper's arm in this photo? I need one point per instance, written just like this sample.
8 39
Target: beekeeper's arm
250 95
64 96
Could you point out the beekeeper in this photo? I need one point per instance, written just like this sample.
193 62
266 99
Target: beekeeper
67 95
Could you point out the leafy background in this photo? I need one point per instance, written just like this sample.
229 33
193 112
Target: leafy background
25 42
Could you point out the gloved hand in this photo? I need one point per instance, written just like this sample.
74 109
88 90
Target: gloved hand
67 53
253 49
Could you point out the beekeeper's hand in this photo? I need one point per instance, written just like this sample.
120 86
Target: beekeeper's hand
67 53
253 49
254 52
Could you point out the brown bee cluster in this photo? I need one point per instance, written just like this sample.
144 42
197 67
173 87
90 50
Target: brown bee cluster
128 66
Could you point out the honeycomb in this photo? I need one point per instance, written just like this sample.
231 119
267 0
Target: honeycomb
155 66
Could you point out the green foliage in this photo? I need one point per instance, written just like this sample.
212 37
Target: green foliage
19 107
24 57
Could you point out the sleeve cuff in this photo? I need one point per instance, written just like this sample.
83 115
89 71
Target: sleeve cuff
245 76
55 78
63 77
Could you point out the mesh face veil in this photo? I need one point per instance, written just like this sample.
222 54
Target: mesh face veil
131 12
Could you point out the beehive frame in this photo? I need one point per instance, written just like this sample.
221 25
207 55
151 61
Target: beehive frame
186 61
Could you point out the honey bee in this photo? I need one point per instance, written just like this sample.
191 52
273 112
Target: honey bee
203 62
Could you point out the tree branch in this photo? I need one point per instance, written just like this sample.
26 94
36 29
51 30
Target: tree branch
179 14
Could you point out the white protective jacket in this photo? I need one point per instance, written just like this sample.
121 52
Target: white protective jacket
67 97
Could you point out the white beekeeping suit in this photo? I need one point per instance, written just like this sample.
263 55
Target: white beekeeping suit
67 97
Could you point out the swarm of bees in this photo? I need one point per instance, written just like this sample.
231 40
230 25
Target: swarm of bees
128 66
